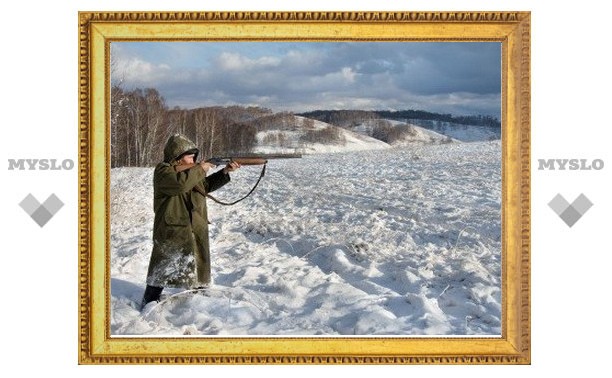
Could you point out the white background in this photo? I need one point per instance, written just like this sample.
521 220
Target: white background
570 116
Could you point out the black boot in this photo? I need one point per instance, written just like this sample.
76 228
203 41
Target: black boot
152 293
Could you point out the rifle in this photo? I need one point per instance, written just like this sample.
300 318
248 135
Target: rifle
239 160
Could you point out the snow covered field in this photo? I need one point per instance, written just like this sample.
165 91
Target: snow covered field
401 241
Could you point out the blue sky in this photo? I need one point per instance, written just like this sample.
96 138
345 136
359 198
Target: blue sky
447 77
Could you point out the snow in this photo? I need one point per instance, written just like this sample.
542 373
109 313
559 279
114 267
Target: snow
418 134
398 241
352 141
464 133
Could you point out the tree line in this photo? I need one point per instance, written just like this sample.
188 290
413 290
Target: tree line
351 118
141 123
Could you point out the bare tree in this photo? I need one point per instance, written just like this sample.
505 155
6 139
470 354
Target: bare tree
138 126
156 115
116 99
206 123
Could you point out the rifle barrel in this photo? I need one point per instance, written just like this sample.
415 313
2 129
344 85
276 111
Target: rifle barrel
251 159
239 160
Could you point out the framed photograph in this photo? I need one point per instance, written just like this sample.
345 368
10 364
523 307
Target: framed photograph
371 178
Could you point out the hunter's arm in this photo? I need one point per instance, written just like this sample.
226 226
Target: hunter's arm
216 180
183 167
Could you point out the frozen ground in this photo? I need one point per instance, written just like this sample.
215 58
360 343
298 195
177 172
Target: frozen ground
388 242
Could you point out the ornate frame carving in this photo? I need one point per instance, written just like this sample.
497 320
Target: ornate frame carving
97 29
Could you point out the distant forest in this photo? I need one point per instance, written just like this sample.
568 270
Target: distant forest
346 118
141 122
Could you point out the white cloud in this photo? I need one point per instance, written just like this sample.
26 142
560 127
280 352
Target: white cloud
235 62
136 70
348 74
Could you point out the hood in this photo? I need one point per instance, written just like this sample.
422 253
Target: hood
177 145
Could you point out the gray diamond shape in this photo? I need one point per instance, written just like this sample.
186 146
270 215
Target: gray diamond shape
558 204
570 216
29 204
53 204
582 204
41 216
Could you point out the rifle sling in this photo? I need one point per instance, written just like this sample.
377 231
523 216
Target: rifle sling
263 172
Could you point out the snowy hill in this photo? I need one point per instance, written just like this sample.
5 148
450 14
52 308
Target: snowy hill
464 133
294 139
396 241
401 134
365 136
424 136
405 127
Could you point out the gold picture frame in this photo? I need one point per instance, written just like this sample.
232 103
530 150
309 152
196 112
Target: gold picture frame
98 29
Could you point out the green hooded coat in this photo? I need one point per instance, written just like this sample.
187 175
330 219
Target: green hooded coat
181 253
